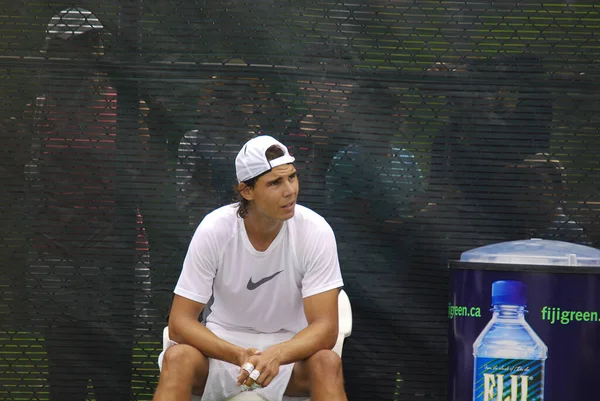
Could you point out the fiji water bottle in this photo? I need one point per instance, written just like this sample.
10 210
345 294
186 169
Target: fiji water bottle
509 355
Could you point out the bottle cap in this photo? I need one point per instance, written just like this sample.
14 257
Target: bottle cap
508 292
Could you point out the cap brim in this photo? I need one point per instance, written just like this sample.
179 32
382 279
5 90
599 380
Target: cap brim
285 159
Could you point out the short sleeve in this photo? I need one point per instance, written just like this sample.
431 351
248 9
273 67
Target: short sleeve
199 266
321 262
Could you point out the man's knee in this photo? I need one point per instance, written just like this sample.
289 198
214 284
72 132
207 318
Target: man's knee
184 372
320 372
324 363
184 359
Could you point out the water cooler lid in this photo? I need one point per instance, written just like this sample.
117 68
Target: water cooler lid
535 252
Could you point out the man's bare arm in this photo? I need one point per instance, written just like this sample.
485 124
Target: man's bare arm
184 328
321 312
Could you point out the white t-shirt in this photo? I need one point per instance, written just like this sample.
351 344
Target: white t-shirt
259 291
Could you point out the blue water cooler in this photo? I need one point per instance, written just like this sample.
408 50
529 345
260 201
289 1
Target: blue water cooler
524 322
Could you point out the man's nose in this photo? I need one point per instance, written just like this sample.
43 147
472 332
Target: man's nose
288 188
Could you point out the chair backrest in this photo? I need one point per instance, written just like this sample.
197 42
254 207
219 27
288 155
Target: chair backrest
345 321
165 339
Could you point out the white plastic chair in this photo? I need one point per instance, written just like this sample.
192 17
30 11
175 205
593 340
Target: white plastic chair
345 329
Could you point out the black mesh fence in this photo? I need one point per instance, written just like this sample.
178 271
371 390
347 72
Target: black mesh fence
421 129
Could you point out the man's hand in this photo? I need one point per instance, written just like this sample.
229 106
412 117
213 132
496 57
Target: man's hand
265 366
246 354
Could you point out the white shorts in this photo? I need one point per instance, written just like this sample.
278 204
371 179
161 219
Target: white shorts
222 376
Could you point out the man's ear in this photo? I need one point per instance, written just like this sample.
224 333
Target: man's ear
246 191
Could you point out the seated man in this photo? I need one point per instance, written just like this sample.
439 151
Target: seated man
272 269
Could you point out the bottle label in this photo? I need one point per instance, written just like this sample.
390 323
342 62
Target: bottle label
508 380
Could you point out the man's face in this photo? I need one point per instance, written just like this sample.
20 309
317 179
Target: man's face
274 194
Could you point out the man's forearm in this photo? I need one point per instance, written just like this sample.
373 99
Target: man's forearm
194 333
319 335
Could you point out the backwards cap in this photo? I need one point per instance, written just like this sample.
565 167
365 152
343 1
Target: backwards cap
252 161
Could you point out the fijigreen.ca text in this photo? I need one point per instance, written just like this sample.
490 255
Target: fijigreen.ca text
557 315
550 314
463 311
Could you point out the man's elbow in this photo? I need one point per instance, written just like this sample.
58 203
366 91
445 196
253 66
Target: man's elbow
330 337
173 332
331 340
177 328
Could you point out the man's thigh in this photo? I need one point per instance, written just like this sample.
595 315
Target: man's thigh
299 385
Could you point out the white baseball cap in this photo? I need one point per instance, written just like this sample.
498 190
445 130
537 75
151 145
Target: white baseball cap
252 161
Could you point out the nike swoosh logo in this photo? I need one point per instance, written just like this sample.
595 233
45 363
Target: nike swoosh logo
252 286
